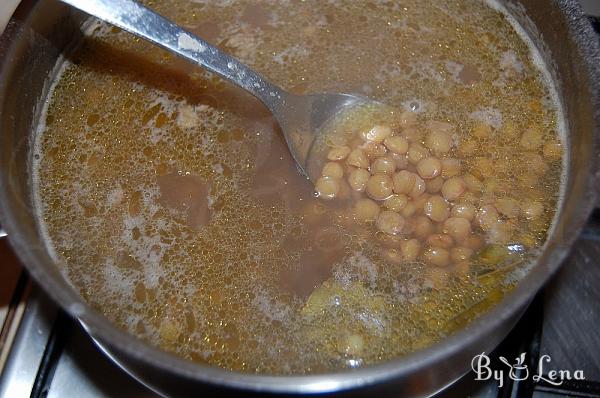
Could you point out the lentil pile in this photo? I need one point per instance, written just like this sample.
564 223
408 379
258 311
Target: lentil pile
410 183
170 200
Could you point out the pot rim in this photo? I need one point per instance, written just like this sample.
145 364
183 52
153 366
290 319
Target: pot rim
99 327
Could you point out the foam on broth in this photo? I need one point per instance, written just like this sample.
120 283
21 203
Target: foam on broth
176 210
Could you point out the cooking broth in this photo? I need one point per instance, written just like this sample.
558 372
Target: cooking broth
172 204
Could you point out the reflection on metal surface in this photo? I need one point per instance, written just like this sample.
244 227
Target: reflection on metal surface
20 371
13 283
82 370
11 318
7 9
591 7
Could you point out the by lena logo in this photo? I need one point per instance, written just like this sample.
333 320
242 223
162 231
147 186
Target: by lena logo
519 370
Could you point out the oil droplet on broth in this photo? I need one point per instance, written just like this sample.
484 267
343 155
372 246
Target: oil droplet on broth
233 262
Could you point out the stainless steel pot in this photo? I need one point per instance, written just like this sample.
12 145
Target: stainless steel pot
41 30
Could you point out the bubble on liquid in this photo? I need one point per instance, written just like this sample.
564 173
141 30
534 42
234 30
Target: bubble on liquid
414 105
491 116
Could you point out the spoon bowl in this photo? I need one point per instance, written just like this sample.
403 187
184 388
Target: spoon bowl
302 118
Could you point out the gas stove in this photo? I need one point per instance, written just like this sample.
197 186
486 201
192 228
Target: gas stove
556 344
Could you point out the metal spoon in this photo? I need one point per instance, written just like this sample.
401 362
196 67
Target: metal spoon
299 116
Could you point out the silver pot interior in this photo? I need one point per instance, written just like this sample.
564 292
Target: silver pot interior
41 31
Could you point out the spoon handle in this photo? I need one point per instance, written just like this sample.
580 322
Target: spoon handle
145 23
